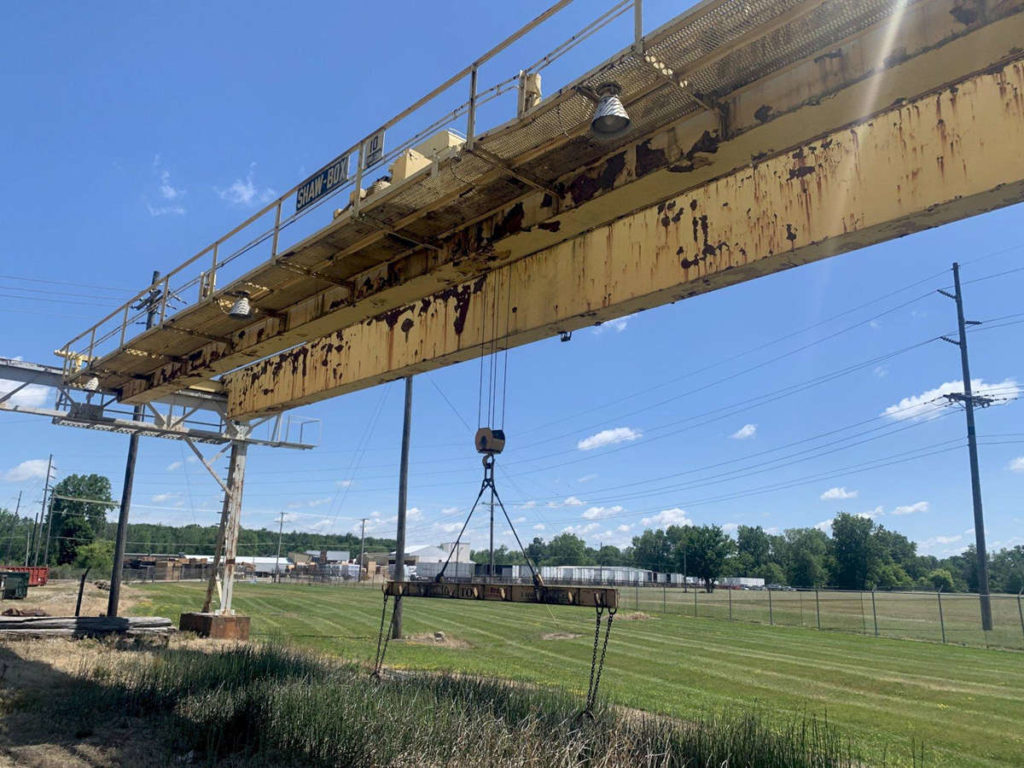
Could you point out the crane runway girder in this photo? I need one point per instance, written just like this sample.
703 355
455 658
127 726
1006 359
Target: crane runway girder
764 134
588 597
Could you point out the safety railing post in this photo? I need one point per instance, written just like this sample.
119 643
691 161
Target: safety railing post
942 623
124 324
771 611
163 298
471 114
359 179
817 606
874 611
638 23
277 229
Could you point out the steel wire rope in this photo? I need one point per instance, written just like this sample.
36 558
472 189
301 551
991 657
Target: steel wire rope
65 282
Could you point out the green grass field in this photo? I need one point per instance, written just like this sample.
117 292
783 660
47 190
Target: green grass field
965 705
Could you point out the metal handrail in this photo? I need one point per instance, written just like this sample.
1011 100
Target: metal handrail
97 336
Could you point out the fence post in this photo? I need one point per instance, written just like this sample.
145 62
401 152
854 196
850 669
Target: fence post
730 607
695 602
664 589
863 616
771 612
942 623
874 611
636 596
817 606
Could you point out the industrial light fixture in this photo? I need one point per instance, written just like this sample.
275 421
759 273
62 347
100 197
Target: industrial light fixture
610 119
241 309
92 384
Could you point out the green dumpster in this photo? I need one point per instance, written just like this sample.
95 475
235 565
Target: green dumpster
15 585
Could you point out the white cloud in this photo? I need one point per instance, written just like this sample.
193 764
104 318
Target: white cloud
343 483
824 525
32 396
875 325
587 478
928 405
618 325
623 528
1017 465
572 501
608 437
666 517
519 519
909 509
528 504
730 527
539 527
161 498
871 514
838 493
745 432
245 192
449 527
581 530
597 513
174 465
881 371
448 511
169 194
33 469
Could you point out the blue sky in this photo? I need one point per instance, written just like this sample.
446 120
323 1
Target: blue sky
136 133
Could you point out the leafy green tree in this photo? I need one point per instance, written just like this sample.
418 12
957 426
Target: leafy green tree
91 487
75 532
706 549
610 555
98 555
502 556
1006 571
806 562
941 580
853 551
753 543
652 550
537 550
567 549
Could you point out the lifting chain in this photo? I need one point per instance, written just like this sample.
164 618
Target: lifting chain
382 639
597 663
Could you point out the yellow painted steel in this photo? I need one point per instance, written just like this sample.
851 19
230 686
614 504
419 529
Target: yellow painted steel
944 156
927 47
587 597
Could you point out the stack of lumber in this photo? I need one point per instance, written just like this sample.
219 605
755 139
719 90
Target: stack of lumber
83 626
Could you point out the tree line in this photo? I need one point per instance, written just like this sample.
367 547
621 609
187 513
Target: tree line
859 554
81 536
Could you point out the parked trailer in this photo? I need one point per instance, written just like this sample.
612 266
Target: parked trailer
38 575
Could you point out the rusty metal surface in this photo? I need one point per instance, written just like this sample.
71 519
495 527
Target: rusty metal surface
720 53
924 163
588 597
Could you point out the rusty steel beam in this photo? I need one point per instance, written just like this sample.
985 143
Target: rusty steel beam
936 45
587 597
942 157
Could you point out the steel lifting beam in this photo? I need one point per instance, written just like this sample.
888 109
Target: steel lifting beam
592 597
944 156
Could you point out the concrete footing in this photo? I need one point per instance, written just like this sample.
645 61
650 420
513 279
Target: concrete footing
215 625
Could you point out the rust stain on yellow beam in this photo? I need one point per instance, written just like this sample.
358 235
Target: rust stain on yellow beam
942 157
813 96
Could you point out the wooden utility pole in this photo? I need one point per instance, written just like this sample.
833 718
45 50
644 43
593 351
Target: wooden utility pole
150 303
38 528
968 399
403 488
362 548
277 561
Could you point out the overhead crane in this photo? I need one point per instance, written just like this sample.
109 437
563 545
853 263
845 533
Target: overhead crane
742 138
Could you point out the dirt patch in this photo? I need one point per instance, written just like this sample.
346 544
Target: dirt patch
58 599
559 636
634 616
438 639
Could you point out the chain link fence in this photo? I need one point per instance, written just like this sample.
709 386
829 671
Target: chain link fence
935 616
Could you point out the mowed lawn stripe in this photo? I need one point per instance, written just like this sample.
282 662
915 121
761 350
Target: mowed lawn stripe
963 704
